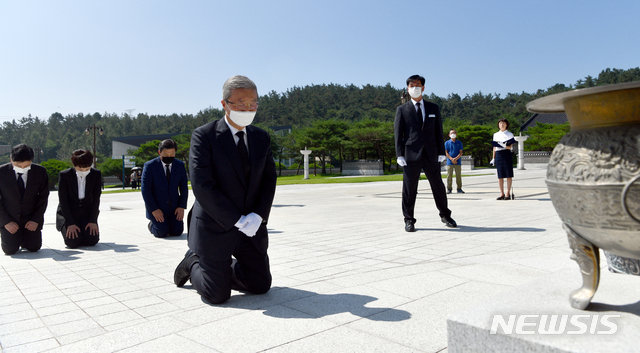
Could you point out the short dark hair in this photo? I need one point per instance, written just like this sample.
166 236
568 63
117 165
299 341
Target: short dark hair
82 158
167 144
415 78
21 153
505 121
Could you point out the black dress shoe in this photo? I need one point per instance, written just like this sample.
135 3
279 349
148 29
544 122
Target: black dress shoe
448 191
183 271
448 221
409 225
460 191
500 198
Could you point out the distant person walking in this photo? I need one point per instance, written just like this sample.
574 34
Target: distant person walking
165 191
419 146
453 151
503 141
24 193
134 180
79 190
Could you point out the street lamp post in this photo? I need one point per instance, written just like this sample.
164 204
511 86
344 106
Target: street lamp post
95 129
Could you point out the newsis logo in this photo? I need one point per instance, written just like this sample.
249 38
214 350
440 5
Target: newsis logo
554 324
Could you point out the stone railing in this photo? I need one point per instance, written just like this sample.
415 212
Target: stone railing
536 157
362 167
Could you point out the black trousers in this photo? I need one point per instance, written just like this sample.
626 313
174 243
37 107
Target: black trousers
84 237
171 227
24 238
410 179
214 276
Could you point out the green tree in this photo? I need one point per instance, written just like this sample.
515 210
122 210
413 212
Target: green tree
545 137
147 151
477 142
113 167
54 167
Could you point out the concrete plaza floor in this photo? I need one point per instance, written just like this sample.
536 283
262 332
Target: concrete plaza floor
346 276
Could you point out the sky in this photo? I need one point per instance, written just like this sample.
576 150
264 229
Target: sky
164 57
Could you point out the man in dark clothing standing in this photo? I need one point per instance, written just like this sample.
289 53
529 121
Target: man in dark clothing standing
420 146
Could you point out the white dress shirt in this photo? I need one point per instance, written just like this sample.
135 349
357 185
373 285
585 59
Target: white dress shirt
234 131
24 177
82 185
415 105
502 136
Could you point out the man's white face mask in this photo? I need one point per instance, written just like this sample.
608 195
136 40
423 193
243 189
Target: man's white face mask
452 136
242 118
83 174
415 92
21 170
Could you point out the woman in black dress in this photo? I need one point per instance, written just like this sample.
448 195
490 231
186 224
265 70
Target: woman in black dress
502 143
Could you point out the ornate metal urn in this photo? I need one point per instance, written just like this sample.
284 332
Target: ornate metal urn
593 179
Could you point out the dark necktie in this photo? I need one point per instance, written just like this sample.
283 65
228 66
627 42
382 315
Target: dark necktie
244 155
168 173
419 112
20 184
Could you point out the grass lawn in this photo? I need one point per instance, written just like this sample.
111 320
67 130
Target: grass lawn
333 179
324 179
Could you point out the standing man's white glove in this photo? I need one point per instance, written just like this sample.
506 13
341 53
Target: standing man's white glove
253 222
401 161
493 162
241 222
441 158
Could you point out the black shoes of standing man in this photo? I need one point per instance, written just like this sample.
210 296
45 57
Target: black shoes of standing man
448 221
409 225
183 272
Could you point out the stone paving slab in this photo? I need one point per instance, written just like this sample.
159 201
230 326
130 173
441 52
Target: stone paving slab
346 276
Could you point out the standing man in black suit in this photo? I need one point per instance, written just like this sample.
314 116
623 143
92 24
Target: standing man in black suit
24 193
79 190
234 180
420 146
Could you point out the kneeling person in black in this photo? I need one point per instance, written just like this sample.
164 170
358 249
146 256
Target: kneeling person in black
24 193
79 193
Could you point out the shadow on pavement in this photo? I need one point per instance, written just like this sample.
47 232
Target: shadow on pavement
469 229
57 255
110 246
291 303
631 308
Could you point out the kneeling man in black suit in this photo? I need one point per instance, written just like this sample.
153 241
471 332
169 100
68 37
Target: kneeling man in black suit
24 193
233 178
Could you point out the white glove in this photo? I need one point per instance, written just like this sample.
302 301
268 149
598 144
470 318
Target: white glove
253 222
241 222
401 161
493 162
441 158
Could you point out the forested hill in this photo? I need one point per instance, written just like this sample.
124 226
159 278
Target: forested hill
57 135
299 106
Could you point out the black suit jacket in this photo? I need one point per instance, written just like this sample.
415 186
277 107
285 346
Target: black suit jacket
32 206
222 195
413 141
68 211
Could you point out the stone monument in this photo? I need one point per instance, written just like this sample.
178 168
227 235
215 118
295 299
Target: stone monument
305 152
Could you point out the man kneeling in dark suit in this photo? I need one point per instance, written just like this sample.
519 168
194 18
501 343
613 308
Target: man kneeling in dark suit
24 193
234 180
79 190
165 191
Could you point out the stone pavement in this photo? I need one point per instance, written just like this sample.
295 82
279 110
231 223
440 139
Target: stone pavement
346 276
